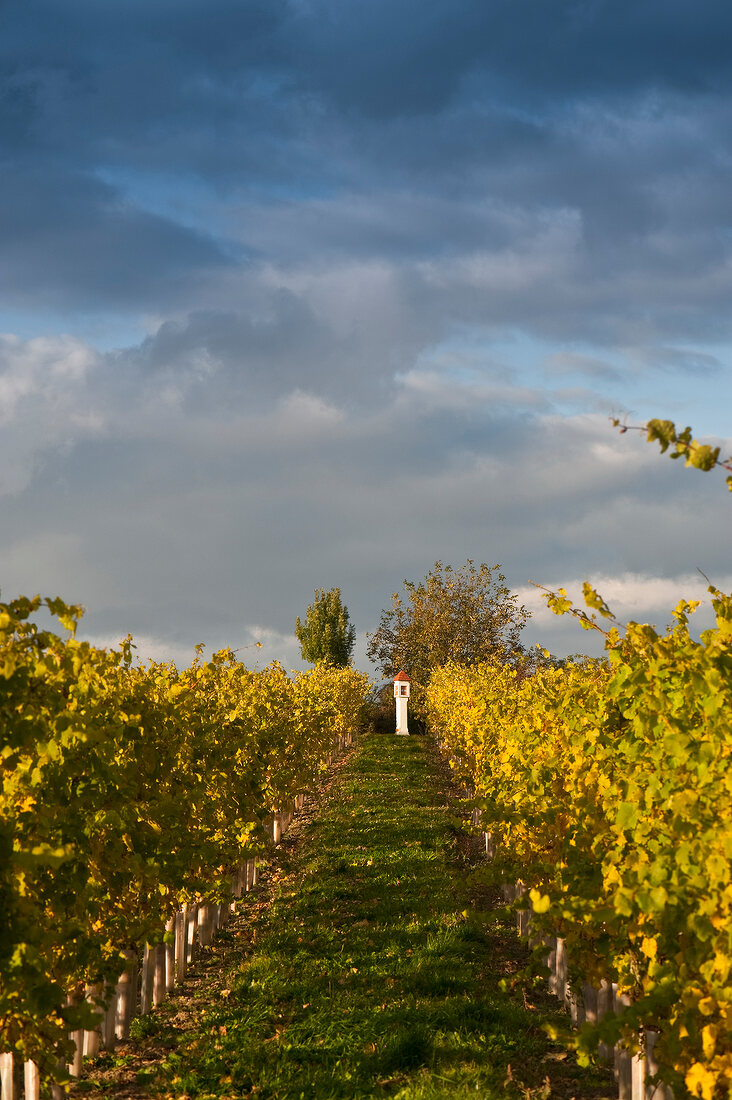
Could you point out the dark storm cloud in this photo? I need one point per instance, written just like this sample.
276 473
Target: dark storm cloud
162 84
381 59
69 240
129 76
594 134
387 59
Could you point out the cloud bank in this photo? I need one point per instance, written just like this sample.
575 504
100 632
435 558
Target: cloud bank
298 294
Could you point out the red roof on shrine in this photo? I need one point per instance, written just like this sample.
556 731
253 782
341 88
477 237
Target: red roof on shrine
401 675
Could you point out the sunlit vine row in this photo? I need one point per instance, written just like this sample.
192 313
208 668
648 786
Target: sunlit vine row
127 791
607 787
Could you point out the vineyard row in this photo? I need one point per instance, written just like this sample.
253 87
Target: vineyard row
606 790
131 799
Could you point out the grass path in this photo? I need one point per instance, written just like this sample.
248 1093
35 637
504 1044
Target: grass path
363 977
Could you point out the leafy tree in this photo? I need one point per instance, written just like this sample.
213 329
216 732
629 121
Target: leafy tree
466 616
326 636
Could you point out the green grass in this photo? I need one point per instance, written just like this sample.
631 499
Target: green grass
365 979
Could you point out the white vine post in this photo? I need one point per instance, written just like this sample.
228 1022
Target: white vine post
401 694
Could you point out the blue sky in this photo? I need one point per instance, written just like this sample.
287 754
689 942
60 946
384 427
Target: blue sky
304 293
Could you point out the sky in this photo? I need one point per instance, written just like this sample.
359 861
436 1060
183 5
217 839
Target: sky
299 294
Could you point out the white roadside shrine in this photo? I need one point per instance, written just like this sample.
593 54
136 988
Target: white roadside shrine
401 694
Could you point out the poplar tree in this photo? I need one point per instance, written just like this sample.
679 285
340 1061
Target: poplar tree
327 636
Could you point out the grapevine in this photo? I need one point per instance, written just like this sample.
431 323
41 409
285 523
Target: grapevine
126 792
680 444
607 788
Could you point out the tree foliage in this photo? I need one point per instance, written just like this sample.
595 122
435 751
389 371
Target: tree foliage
465 616
327 636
